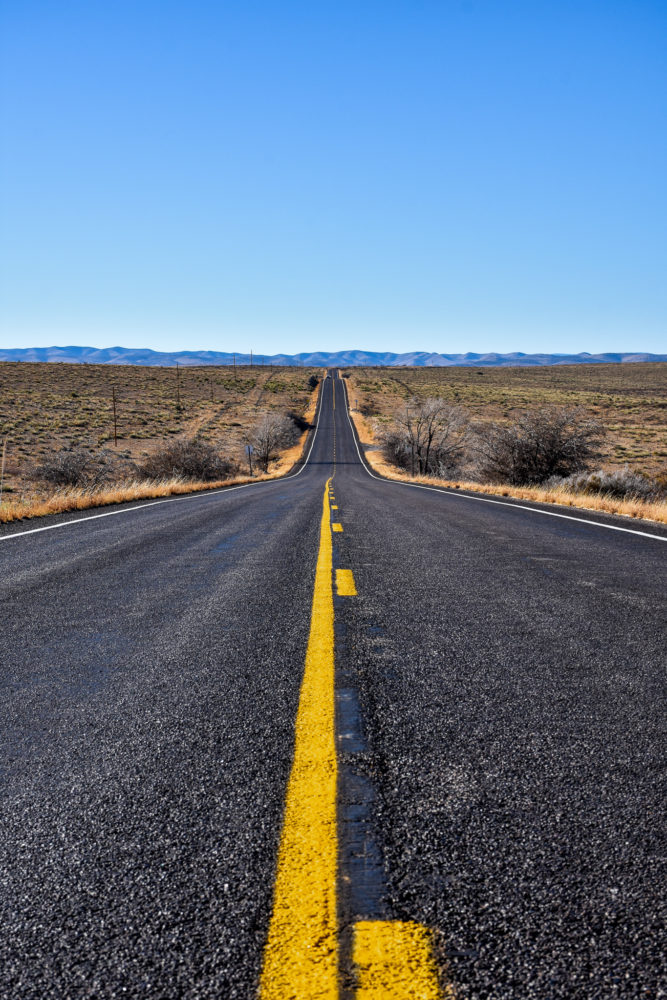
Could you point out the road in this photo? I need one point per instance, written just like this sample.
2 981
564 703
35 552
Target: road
438 773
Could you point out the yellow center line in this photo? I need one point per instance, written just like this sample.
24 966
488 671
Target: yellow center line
345 585
301 953
394 961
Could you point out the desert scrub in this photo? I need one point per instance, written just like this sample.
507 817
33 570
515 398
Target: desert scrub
654 510
630 400
187 458
538 445
625 484
45 407
80 467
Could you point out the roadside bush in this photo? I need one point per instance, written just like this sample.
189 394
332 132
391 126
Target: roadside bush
80 467
395 447
539 445
623 484
67 467
300 423
190 458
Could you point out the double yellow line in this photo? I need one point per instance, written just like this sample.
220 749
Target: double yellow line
392 959
301 954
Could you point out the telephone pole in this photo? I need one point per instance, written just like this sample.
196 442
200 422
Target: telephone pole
115 422
2 471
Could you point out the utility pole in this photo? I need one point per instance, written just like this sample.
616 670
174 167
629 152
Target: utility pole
234 361
115 422
251 357
2 470
178 387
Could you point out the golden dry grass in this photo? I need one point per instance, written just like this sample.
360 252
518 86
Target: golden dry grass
78 498
630 400
656 511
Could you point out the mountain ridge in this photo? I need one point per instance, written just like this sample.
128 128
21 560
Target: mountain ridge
343 359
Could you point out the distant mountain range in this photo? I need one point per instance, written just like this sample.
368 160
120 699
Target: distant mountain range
342 359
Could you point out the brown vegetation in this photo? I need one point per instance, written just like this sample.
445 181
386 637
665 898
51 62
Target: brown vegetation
536 446
571 494
629 400
183 435
187 458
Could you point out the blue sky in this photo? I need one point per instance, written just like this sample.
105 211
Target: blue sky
444 176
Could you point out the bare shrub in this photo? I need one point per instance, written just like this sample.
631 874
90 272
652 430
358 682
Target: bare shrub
540 444
67 467
76 466
625 484
272 432
428 438
190 458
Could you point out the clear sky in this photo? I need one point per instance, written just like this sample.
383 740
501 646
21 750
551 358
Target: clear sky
423 175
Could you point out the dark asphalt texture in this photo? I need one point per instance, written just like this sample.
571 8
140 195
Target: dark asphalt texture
507 673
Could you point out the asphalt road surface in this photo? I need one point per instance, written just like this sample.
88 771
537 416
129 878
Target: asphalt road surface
498 732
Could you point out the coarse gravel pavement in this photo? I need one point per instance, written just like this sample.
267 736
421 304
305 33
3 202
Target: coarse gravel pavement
500 734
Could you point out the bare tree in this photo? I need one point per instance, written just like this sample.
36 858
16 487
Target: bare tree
428 437
272 432
540 444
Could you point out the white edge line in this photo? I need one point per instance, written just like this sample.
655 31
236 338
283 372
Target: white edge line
501 503
193 496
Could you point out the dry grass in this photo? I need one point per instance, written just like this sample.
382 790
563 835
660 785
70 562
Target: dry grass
656 511
288 390
629 400
45 407
77 498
